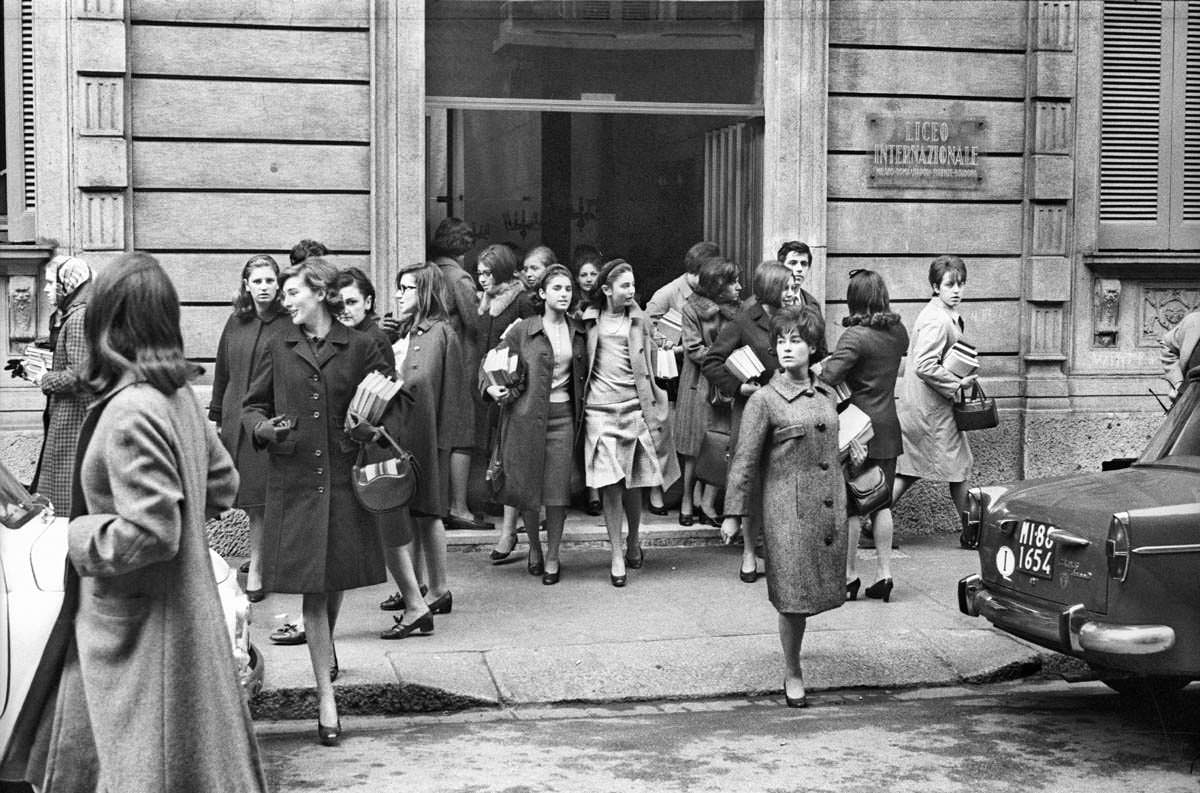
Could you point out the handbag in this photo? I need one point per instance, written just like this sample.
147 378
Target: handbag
494 475
868 490
388 484
975 411
712 463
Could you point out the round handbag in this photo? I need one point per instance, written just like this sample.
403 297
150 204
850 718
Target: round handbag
388 484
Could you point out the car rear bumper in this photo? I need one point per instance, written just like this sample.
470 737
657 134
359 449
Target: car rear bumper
1067 630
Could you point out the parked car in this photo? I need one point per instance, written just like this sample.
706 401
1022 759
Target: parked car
33 552
1101 566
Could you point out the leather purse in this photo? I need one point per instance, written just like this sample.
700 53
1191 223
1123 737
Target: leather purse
494 475
868 490
712 463
388 484
976 410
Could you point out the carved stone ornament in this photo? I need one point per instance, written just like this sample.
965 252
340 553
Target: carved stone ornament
1106 310
22 309
1162 308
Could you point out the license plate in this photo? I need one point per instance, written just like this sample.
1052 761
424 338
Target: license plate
1035 549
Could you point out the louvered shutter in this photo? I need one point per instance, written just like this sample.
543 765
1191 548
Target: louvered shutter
1185 216
19 119
1133 203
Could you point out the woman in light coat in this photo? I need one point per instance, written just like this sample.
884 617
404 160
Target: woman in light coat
626 418
149 698
934 447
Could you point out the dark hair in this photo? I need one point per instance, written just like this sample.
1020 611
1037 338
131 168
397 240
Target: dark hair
868 301
793 246
770 279
584 254
697 254
946 264
132 326
502 261
305 249
452 238
554 271
431 297
807 322
543 254
716 274
352 276
611 271
243 303
317 274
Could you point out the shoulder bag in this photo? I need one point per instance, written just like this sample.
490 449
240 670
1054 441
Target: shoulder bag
494 475
388 484
976 410
868 490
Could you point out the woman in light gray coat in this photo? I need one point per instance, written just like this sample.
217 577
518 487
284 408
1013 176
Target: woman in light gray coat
934 446
148 698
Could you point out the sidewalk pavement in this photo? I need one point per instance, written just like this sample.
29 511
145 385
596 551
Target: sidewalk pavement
685 627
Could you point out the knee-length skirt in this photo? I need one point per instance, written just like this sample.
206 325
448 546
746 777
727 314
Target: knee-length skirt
618 445
560 447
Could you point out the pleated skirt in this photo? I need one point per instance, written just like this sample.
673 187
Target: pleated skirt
618 446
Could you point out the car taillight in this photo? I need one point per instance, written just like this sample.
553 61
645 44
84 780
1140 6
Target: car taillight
1116 547
972 518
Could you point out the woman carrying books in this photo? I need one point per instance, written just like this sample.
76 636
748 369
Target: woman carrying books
934 447
773 288
627 431
867 360
544 400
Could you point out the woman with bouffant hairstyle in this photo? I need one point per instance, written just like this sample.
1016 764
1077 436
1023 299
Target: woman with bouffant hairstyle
149 640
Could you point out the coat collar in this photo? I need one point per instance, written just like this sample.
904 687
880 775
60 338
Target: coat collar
338 337
757 315
507 294
536 326
789 390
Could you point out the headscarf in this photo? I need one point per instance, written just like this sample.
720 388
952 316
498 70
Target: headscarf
72 275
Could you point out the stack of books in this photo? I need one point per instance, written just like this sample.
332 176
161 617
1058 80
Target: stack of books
372 397
38 361
961 360
670 326
500 367
853 424
744 364
665 366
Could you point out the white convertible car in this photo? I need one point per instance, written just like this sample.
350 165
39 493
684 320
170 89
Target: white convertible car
33 550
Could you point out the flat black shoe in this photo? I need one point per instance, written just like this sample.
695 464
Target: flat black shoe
852 589
594 507
750 577
686 520
424 624
497 555
443 605
795 702
255 595
881 589
617 580
329 736
550 579
535 567
396 602
653 510
635 562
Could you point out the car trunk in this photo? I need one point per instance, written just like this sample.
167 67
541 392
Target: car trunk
1051 544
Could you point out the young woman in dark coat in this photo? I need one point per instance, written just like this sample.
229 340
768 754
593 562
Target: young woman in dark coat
774 288
317 539
867 359
547 403
256 319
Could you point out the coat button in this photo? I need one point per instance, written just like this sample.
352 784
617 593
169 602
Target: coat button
316 396
824 466
829 539
828 501
321 489
316 414
319 471
316 453
416 346
315 378
820 426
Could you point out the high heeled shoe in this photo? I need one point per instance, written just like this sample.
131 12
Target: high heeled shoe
400 630
795 702
444 604
748 577
686 519
549 578
618 580
881 589
497 556
329 736
635 562
535 566
852 589
653 510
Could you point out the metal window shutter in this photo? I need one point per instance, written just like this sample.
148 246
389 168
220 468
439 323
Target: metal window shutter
1191 115
27 109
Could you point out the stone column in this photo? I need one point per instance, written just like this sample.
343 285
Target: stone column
795 152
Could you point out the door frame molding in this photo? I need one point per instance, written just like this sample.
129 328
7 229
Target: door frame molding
592 106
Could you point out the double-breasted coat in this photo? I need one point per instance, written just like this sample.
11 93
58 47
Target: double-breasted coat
431 424
867 360
652 398
149 699
316 536
789 443
703 319
67 405
934 446
525 418
240 347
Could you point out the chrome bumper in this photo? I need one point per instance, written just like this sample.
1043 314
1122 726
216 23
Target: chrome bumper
1068 630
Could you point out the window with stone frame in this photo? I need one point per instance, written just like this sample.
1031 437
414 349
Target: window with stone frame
1149 196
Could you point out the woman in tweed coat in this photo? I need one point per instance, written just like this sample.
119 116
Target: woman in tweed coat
68 282
789 442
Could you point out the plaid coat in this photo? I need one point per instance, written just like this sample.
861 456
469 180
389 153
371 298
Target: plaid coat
68 404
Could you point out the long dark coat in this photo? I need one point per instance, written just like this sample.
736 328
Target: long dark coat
867 359
316 536
702 322
67 405
489 327
788 443
432 424
750 326
524 419
240 347
149 698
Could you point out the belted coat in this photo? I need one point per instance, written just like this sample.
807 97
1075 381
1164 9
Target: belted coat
652 398
316 536
524 419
